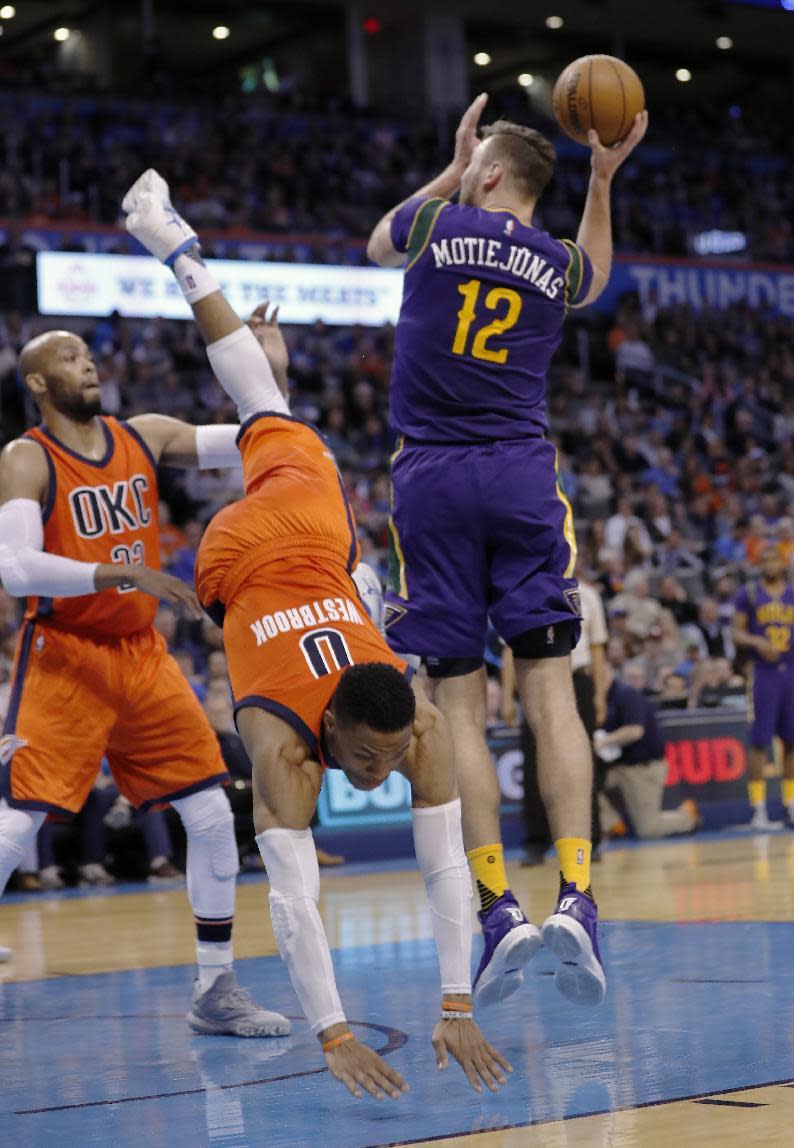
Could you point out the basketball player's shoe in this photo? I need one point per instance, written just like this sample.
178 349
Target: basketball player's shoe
760 821
510 942
570 934
226 1009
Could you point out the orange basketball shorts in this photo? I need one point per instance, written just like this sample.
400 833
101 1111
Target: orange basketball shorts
75 700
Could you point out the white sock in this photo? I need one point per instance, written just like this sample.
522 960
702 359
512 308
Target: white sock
214 958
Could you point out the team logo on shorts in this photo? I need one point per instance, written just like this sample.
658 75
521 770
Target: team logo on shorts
574 600
392 614
9 744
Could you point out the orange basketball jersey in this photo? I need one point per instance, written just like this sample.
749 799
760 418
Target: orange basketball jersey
294 504
102 510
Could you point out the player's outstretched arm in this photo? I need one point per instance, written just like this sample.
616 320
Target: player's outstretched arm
232 348
27 570
177 443
438 840
286 783
595 230
381 248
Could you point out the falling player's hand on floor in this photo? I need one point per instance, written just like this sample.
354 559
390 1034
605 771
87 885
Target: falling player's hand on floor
165 587
359 1067
464 1040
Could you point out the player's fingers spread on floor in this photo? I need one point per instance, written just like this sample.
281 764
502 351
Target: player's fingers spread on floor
391 1080
351 1084
440 1048
487 1076
369 1083
494 1054
471 1076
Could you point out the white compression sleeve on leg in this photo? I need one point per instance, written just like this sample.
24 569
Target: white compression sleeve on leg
242 369
291 862
18 827
438 841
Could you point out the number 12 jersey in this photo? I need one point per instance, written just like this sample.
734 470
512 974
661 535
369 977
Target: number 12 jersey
484 300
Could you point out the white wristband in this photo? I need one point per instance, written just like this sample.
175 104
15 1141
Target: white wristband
216 447
194 279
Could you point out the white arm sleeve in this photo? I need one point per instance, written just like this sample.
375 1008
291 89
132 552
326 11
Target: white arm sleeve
291 862
25 569
242 369
216 447
438 840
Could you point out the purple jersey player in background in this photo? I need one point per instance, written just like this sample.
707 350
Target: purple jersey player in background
764 625
480 527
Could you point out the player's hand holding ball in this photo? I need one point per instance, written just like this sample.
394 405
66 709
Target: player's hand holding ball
153 221
599 101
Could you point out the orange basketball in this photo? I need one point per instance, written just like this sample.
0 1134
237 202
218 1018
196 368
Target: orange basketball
599 92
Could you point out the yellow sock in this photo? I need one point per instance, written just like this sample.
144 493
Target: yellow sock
788 791
488 866
573 853
757 792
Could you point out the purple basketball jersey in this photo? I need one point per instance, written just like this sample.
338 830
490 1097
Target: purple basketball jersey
771 618
483 305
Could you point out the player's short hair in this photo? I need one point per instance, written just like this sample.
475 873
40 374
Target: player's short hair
528 156
374 694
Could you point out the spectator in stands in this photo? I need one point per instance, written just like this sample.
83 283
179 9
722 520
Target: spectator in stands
716 637
642 611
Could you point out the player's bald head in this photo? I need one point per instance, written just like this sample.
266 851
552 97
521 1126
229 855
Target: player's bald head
59 372
39 355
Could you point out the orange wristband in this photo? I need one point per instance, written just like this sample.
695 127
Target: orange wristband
456 1006
335 1041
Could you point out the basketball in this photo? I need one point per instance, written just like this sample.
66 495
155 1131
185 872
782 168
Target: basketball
599 92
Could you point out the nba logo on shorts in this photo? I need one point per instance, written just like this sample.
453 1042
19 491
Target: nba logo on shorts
549 635
580 856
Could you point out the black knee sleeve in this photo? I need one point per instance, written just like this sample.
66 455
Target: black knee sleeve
555 641
451 667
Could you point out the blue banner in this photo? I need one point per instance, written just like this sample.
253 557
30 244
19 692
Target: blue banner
713 284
